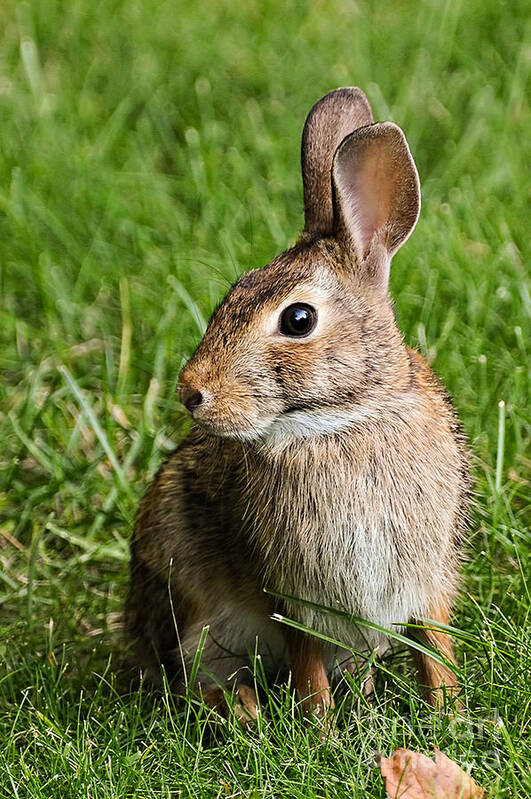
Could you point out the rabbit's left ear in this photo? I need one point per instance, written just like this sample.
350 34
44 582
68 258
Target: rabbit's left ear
376 197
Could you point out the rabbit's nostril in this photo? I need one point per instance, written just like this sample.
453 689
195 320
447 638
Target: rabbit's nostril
191 398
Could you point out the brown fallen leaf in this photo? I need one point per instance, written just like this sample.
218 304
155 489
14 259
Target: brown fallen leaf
411 775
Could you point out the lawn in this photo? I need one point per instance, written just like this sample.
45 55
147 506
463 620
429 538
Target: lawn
149 153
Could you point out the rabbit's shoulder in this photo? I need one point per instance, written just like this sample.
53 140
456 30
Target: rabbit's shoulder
187 505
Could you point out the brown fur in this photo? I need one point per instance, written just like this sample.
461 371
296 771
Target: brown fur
329 122
330 468
310 673
437 679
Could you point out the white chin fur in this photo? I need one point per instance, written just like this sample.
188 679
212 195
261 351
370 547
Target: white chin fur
242 435
307 424
299 424
235 435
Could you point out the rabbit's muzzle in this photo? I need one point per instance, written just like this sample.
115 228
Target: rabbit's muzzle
190 397
223 406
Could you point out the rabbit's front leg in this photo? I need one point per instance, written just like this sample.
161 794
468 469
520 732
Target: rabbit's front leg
309 673
245 702
437 679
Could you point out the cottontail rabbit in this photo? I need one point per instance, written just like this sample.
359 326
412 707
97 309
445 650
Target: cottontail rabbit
327 462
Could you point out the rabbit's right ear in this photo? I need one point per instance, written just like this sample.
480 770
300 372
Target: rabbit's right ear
331 119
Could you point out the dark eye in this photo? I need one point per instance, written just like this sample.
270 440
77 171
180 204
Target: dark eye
298 320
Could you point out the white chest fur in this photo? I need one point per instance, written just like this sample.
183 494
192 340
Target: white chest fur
365 528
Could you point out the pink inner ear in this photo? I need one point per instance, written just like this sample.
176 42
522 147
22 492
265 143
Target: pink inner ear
377 194
370 195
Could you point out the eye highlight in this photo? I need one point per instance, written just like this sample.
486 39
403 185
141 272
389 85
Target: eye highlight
298 320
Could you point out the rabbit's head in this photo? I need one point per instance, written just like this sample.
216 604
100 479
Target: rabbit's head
308 344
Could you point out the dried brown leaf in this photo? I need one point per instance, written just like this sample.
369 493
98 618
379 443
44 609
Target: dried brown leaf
412 775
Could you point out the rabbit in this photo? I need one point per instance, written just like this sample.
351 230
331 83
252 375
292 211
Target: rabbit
326 462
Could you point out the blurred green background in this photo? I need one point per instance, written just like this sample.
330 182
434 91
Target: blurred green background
149 153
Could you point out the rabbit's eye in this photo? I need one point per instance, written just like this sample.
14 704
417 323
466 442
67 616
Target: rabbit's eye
298 320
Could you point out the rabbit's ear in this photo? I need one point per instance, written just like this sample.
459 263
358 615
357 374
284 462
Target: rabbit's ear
332 118
376 197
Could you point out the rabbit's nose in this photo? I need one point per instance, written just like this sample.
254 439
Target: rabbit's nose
190 397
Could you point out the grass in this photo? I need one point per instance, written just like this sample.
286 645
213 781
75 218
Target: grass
149 153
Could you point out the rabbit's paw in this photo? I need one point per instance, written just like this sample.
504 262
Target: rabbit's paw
242 701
